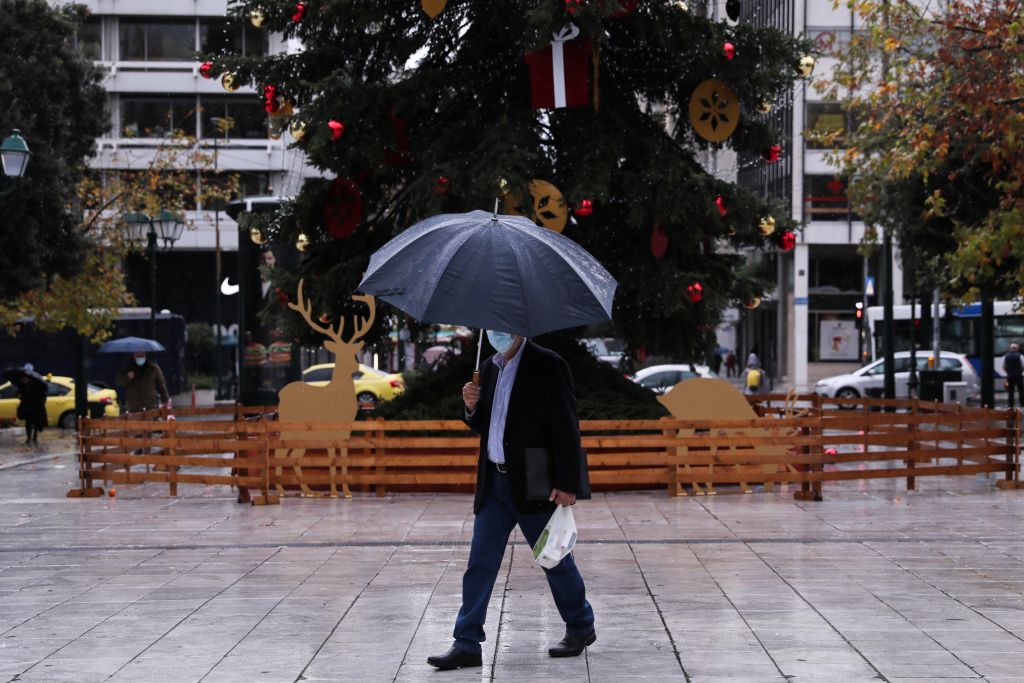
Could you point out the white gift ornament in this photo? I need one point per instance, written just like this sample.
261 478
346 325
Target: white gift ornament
557 540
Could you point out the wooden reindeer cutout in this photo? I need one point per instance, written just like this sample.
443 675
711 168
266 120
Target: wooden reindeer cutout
335 402
708 399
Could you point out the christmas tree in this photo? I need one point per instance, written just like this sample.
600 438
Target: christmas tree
588 116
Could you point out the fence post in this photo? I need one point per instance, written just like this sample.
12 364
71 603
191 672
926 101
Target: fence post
911 447
378 434
672 487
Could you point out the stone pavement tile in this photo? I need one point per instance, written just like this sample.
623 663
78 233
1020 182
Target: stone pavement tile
270 667
755 665
337 665
978 641
417 672
817 663
87 669
920 665
543 668
995 664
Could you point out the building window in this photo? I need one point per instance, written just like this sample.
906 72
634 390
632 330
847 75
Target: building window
156 116
825 199
253 183
828 39
164 40
218 35
88 38
824 119
249 120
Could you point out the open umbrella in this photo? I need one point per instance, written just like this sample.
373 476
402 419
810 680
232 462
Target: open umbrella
493 272
131 345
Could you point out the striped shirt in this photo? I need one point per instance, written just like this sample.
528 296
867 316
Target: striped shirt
499 408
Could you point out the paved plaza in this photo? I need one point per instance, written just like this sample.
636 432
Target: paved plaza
872 584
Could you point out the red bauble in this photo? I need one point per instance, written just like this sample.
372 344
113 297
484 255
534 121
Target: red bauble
787 240
282 296
300 12
573 6
722 208
729 50
270 103
343 208
773 153
337 129
584 209
831 451
441 185
696 292
659 241
206 69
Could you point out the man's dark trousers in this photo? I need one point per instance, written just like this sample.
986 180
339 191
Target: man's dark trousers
1012 383
494 522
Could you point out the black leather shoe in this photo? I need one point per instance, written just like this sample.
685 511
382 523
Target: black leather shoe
572 645
455 658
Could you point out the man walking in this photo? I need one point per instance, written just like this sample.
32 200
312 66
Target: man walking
143 383
1014 370
525 399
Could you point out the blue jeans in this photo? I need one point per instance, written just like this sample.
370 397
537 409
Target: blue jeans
491 529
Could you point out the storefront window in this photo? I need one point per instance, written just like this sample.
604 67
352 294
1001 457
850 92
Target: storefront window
823 119
825 199
156 117
217 35
165 40
248 119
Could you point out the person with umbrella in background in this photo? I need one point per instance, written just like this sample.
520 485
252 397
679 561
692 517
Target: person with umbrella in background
504 273
143 384
32 391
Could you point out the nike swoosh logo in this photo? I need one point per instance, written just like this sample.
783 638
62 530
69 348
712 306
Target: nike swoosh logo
228 288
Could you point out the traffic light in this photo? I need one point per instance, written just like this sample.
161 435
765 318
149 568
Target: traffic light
858 313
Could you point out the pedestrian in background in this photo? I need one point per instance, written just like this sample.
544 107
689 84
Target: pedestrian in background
32 391
716 362
730 364
753 377
1014 370
143 384
753 360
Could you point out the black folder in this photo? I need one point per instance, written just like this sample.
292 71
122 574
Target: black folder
538 475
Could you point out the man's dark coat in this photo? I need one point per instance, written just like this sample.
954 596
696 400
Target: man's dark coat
541 413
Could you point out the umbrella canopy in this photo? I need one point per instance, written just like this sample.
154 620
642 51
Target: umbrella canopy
14 372
131 345
495 272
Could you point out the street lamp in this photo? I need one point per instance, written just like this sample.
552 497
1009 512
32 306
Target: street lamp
140 228
14 154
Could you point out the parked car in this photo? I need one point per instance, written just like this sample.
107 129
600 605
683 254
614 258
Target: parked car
870 379
371 385
607 349
661 378
60 402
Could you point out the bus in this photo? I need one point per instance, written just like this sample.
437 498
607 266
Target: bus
959 330
54 352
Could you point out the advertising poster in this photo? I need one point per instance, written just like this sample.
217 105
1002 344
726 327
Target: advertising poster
837 340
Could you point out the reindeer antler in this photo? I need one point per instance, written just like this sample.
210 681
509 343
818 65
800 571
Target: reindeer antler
364 327
304 307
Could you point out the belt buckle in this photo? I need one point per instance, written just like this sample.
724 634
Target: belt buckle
500 466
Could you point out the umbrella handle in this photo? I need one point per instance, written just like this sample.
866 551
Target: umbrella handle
476 377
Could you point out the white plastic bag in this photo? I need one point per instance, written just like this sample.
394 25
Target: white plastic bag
557 540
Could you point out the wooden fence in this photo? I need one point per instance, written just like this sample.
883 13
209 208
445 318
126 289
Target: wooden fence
797 439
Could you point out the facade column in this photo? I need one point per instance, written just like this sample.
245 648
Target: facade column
801 270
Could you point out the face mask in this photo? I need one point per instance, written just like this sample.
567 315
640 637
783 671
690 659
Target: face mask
501 341
140 361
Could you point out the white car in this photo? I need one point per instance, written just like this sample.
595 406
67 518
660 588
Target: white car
870 379
661 378
606 349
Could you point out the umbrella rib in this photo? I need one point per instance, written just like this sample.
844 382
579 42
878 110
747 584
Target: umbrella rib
522 290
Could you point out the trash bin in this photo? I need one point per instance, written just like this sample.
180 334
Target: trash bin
932 381
954 392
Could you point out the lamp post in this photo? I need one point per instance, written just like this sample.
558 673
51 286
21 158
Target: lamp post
166 226
14 156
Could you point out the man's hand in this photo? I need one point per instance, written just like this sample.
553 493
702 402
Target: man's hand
563 498
470 395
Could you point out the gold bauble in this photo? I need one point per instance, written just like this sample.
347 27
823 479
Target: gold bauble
302 243
714 110
286 108
752 304
550 209
257 17
256 235
503 186
298 129
229 82
766 225
806 66
766 107
433 7
275 129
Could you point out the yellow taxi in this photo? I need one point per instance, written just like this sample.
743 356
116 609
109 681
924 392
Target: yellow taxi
60 402
371 385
